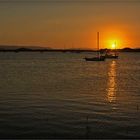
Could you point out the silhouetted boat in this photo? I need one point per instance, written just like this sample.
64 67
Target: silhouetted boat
112 54
99 57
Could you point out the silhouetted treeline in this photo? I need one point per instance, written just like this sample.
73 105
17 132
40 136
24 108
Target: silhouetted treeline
130 50
44 50
123 50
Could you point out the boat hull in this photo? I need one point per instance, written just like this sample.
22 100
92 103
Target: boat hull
112 57
95 59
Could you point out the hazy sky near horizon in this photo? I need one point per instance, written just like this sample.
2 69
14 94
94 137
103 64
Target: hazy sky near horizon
70 23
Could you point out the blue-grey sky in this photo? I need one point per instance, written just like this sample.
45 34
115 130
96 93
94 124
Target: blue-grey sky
70 23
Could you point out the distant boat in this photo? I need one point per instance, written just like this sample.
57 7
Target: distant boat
99 57
112 54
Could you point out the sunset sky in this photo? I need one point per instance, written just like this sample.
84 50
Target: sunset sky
70 23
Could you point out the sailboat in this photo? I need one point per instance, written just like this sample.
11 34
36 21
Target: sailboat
98 57
112 55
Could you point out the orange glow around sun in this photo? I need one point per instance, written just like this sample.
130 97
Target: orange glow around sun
111 42
113 37
110 37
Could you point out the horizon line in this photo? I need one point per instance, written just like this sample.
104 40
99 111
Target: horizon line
45 47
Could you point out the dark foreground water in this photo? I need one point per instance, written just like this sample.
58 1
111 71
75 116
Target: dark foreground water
59 95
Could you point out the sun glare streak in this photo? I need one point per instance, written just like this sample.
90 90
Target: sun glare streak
111 89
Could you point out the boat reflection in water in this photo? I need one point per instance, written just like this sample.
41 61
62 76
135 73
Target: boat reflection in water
111 87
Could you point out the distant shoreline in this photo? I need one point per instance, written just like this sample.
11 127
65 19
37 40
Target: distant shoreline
64 50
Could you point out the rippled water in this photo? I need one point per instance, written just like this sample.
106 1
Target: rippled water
60 95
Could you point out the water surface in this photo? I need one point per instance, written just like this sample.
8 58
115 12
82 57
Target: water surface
60 95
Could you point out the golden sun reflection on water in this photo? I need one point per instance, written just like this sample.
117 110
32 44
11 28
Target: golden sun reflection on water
111 87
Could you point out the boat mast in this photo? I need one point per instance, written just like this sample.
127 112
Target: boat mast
115 48
98 47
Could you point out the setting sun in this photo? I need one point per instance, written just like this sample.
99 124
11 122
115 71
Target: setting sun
113 45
